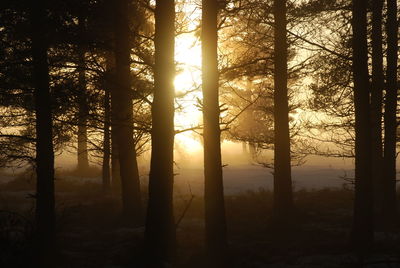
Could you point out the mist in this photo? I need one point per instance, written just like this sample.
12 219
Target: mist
171 133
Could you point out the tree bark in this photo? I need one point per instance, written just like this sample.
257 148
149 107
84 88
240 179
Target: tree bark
283 197
110 83
83 157
160 227
215 222
115 168
106 142
389 202
378 82
45 201
121 98
362 229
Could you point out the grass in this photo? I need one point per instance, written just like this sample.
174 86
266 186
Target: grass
92 234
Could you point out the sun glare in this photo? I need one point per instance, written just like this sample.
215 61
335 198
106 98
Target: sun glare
187 86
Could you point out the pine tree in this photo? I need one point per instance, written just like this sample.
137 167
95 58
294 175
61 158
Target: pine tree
216 241
362 229
283 197
160 226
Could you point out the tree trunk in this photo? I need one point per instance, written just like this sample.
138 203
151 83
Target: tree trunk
121 98
83 158
215 222
160 227
362 230
378 82
389 202
106 142
110 84
283 197
115 168
45 202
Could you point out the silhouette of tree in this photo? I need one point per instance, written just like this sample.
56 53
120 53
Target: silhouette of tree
121 97
283 199
377 86
362 229
390 114
213 185
106 169
160 226
83 156
45 200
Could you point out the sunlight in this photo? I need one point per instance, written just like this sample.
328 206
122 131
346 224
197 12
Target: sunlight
189 143
187 83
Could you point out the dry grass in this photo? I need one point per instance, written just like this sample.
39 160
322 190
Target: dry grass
91 232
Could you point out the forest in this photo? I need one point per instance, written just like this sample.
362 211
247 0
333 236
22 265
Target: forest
199 133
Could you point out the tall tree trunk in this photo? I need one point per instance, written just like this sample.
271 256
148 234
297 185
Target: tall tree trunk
283 197
215 222
106 142
83 158
110 84
45 201
389 202
115 168
362 230
160 227
109 142
121 98
378 82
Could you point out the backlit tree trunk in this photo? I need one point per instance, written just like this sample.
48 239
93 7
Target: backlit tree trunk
111 83
362 230
45 203
122 109
106 142
160 226
389 202
115 168
378 82
213 188
83 158
283 197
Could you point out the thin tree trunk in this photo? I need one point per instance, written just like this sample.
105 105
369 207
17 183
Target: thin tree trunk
115 168
362 229
106 142
389 202
121 98
83 158
283 197
378 82
253 151
110 83
45 201
215 222
160 227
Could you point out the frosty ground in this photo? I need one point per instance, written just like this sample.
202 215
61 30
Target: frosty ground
91 233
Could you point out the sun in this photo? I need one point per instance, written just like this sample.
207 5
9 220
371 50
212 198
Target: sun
187 82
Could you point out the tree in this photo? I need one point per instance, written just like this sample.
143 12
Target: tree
160 226
283 199
106 172
377 85
45 201
122 111
362 229
213 185
83 157
389 202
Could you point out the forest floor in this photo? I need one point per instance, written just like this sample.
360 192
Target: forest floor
91 233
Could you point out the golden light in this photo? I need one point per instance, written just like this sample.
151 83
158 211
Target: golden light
187 84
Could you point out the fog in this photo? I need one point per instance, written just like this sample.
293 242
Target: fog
241 172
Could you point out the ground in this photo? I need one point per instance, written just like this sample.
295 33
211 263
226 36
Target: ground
91 233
